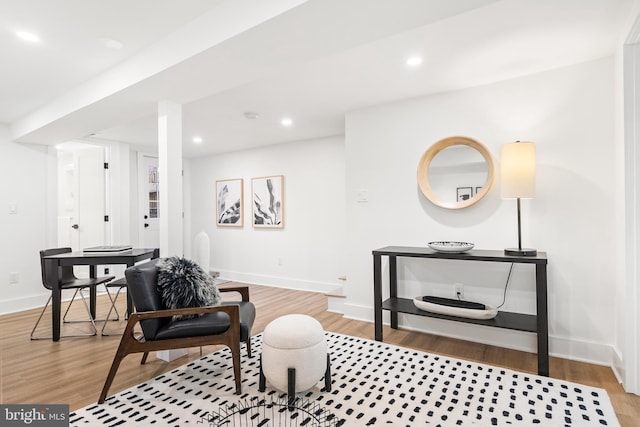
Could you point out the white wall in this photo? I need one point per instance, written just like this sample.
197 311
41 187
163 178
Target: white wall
629 291
23 174
569 114
309 253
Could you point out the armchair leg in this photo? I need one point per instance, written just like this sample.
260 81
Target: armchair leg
235 353
112 373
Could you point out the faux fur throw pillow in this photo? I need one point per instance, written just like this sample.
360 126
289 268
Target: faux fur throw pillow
182 283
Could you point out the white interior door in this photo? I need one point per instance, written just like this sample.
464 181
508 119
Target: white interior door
81 197
149 196
91 200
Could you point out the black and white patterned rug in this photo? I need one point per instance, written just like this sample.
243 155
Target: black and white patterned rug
373 383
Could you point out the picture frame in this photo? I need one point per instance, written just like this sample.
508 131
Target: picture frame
464 193
230 203
267 194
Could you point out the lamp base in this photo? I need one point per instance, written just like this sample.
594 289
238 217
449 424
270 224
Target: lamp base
520 252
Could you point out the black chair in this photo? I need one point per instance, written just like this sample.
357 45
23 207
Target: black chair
67 280
119 285
219 324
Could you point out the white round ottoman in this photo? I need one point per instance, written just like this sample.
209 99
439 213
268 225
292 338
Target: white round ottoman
294 344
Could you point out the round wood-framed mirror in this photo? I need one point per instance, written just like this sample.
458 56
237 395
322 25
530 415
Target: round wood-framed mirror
456 172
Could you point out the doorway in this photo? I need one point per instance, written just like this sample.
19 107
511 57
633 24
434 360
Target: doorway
149 199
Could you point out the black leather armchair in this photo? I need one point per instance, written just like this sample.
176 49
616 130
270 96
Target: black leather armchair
219 324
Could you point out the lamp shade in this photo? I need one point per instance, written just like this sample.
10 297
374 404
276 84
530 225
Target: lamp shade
518 170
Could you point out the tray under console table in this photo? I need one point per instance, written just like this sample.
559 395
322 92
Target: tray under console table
537 323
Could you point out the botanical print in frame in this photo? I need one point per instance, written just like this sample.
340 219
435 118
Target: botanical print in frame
229 212
268 201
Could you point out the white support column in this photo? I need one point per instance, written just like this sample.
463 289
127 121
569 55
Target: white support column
170 171
170 177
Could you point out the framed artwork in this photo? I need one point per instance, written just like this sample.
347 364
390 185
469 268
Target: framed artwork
229 211
464 193
268 201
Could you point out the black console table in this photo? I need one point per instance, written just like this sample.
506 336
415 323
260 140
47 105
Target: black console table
537 323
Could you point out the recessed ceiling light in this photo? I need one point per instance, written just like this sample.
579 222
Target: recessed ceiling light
250 115
414 61
111 43
27 36
286 121
197 140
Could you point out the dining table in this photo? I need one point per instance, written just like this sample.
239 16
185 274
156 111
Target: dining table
92 259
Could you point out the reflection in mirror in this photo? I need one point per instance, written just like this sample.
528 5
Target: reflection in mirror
455 172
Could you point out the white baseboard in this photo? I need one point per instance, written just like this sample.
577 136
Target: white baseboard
32 301
23 303
618 367
582 351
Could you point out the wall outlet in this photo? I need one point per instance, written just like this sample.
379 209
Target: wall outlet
106 270
458 290
279 261
14 278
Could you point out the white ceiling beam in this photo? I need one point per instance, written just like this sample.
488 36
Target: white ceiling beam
228 19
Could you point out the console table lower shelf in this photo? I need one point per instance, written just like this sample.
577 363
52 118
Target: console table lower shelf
504 319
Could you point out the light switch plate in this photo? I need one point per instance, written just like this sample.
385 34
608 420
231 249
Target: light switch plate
362 196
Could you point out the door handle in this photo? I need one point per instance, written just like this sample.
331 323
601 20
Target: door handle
75 226
146 225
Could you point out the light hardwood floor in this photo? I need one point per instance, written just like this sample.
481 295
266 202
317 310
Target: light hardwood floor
73 370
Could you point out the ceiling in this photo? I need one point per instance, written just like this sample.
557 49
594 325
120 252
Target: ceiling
310 60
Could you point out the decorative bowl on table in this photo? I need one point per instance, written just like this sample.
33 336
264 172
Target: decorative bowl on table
451 246
488 312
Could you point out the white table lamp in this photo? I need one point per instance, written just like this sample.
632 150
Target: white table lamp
518 176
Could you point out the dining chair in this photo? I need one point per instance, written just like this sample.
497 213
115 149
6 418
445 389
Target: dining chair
218 324
119 285
67 281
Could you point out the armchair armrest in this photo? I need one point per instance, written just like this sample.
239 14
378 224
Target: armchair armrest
242 290
183 311
233 311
